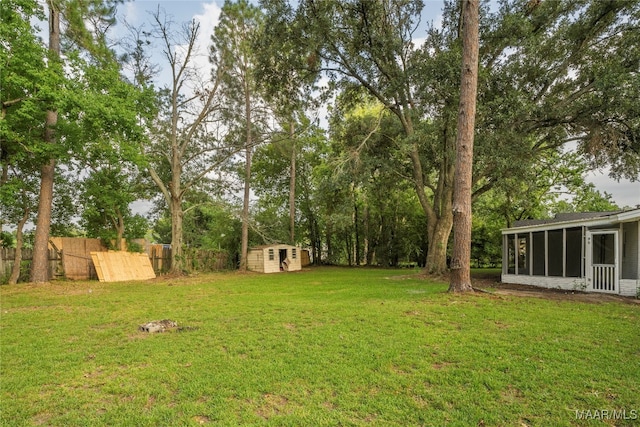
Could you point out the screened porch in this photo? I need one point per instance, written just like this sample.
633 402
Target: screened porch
599 252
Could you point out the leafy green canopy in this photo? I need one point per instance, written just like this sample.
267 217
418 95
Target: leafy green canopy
562 72
98 110
26 80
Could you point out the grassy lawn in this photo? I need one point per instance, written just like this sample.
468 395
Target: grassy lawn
328 346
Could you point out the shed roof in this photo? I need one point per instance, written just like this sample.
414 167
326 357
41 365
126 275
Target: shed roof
273 246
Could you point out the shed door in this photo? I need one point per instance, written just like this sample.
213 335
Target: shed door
284 264
602 261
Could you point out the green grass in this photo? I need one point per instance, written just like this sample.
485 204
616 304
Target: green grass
328 346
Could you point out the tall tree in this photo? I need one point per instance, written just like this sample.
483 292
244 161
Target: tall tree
106 195
288 83
54 92
380 204
578 91
40 264
18 199
461 259
22 60
370 44
112 179
186 141
232 52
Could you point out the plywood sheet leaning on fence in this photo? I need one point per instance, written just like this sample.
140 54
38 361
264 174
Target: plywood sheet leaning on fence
122 266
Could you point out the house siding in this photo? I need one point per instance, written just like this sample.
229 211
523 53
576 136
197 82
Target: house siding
629 287
564 283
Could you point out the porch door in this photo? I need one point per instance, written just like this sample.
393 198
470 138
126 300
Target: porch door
602 261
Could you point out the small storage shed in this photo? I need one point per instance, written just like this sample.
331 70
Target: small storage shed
592 251
274 258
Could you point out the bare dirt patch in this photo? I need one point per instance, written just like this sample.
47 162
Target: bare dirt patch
556 294
491 283
201 419
272 405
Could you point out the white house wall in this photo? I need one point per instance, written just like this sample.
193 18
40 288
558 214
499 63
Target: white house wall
564 283
629 287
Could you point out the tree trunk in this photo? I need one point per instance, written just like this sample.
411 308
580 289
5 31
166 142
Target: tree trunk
175 193
328 233
40 262
437 211
4 177
292 187
438 235
367 235
317 246
461 260
15 270
177 258
306 210
247 180
245 212
349 248
120 242
356 229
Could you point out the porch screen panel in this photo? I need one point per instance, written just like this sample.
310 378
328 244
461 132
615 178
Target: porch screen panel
555 252
604 249
574 252
511 254
630 251
539 260
523 254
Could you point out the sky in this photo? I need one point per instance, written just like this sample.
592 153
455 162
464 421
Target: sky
137 13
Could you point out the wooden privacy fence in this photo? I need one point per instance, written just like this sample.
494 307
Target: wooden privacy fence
71 258
194 259
8 256
76 256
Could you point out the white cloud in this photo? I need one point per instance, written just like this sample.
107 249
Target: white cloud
130 13
437 23
623 192
199 61
209 17
208 20
418 42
